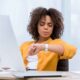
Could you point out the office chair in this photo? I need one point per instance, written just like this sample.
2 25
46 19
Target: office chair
63 65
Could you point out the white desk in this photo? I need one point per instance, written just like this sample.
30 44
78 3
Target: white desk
6 75
49 75
34 75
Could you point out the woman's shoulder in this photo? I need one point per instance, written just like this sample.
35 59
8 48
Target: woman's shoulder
62 42
57 40
26 43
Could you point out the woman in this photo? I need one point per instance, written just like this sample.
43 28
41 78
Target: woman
42 54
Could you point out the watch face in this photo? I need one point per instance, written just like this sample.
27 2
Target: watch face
46 47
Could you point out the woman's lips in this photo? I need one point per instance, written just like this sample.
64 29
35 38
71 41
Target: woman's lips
46 33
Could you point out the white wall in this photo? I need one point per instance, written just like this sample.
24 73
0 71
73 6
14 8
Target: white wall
75 31
19 10
18 14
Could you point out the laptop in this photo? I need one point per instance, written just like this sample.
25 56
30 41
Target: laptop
10 56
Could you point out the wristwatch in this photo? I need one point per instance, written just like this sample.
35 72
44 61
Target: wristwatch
46 47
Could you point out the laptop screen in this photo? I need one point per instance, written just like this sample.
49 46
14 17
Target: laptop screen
10 55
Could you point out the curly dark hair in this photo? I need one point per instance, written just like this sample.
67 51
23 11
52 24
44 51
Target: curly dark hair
56 17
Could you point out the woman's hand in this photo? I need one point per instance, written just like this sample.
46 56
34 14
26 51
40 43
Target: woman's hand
35 48
31 50
39 47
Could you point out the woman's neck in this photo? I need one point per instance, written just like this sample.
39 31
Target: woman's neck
42 40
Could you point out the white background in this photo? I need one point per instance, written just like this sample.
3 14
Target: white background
19 11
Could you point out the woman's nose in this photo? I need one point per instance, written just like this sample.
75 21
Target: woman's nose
45 27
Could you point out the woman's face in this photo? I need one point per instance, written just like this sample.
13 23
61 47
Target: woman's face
45 27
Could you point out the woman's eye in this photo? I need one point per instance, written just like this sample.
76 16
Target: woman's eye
42 24
50 25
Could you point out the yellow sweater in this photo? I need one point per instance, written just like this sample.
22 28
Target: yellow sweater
47 61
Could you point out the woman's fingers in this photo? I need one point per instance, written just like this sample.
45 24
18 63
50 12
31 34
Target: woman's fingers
31 50
35 48
39 47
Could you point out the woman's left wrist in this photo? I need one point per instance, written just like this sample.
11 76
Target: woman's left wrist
45 47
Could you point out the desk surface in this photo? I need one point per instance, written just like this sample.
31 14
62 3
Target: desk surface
34 75
6 75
